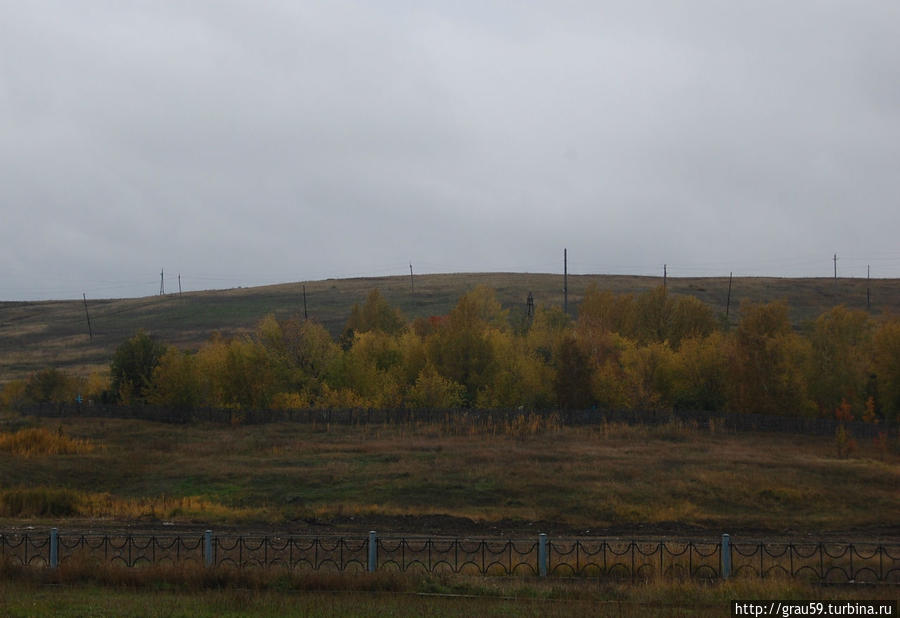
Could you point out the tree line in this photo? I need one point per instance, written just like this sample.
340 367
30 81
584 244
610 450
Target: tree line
653 350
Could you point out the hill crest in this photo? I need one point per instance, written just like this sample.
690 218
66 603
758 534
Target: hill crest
38 334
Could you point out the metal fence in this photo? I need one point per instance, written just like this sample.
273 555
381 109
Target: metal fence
728 421
615 559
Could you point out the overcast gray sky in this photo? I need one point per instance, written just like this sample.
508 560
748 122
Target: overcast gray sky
244 143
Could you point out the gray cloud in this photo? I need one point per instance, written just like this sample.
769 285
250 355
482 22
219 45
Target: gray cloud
243 143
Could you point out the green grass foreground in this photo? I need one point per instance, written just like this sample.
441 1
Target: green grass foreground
576 480
88 590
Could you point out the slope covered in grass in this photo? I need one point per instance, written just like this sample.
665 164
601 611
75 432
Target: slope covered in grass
36 335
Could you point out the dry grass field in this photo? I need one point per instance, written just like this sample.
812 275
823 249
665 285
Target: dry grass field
671 480
35 335
149 592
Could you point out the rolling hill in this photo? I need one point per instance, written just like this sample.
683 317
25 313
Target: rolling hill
34 335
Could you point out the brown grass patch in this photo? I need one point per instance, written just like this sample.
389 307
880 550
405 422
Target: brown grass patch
86 570
37 441
107 506
39 502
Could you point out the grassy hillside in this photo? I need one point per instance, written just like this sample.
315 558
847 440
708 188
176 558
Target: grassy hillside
34 335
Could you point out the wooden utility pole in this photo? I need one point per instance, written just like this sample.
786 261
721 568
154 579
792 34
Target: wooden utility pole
728 302
835 267
565 282
162 287
305 314
88 316
868 287
179 285
412 288
665 274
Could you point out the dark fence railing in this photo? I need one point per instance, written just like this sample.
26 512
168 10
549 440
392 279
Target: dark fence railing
614 559
724 420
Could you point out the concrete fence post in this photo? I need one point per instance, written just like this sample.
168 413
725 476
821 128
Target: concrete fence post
726 556
542 555
54 548
373 551
207 548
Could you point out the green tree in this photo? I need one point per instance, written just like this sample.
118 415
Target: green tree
464 356
691 318
886 364
210 361
373 368
841 346
309 347
413 356
132 367
50 385
548 328
460 348
649 376
701 373
12 394
609 387
654 315
521 379
375 314
573 377
249 379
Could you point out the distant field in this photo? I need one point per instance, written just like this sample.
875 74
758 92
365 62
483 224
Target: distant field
34 335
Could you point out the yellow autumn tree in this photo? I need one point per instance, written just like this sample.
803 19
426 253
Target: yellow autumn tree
768 365
460 349
433 391
520 378
649 376
701 373
176 381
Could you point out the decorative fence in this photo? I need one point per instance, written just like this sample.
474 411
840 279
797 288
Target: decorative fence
726 420
614 559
